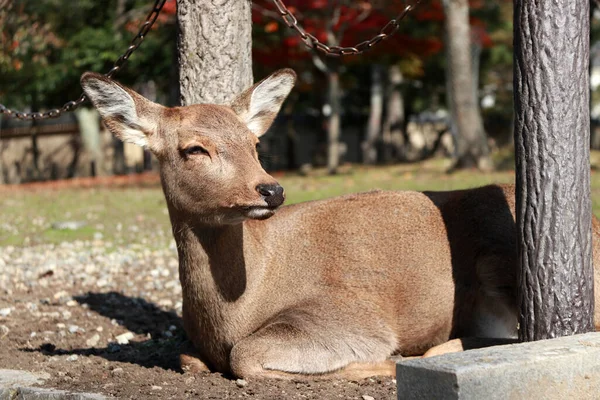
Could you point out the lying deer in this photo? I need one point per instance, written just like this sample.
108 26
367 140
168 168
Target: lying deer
336 286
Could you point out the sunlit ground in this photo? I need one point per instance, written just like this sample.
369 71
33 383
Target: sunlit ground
138 215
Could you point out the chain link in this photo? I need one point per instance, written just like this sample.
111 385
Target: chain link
290 20
336 51
72 105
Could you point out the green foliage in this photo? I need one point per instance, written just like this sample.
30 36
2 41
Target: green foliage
48 44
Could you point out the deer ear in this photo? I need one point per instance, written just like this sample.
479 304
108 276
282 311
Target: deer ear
129 116
258 106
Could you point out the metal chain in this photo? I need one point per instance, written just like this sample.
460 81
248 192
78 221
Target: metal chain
336 51
72 105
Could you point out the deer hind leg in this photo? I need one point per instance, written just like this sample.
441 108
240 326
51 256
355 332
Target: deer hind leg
458 345
283 351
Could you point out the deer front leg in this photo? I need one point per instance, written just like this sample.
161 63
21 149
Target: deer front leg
190 360
283 351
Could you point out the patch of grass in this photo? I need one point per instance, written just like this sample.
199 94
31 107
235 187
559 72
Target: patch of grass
68 235
423 176
119 216
139 215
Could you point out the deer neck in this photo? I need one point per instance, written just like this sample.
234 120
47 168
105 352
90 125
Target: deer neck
212 262
215 280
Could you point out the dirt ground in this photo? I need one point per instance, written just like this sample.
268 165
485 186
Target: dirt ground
67 298
65 308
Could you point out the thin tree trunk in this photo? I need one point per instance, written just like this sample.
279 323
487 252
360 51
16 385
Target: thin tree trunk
393 135
215 49
333 126
471 144
119 164
369 145
556 277
2 180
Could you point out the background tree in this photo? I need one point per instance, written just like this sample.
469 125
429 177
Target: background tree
47 45
53 46
348 23
471 142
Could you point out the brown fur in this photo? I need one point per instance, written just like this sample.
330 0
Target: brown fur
326 287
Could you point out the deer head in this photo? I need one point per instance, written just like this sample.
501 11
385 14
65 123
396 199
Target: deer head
207 153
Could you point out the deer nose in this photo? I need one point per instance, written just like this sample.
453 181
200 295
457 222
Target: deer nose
272 194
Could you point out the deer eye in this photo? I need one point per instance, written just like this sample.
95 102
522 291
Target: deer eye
195 150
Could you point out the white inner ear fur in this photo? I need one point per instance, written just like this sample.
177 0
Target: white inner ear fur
115 103
267 98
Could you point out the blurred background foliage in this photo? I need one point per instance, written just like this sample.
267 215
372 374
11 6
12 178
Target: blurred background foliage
47 45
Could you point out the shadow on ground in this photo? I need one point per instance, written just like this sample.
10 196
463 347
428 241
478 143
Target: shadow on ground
138 316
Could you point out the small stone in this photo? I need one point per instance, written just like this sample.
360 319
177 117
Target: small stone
3 331
124 338
101 282
60 295
74 328
68 225
72 357
117 371
168 334
165 303
4 312
241 383
60 325
172 328
71 303
154 387
99 329
93 341
367 397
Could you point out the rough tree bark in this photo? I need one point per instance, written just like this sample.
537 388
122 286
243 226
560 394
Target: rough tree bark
369 145
553 171
471 144
215 49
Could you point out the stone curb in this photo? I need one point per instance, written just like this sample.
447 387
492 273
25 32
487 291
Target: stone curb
563 368
14 385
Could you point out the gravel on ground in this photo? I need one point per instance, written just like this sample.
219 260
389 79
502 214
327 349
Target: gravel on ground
106 319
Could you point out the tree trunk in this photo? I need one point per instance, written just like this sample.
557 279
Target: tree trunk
393 136
333 126
553 204
2 179
369 145
119 164
471 144
215 49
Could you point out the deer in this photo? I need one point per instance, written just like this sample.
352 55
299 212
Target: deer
340 287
